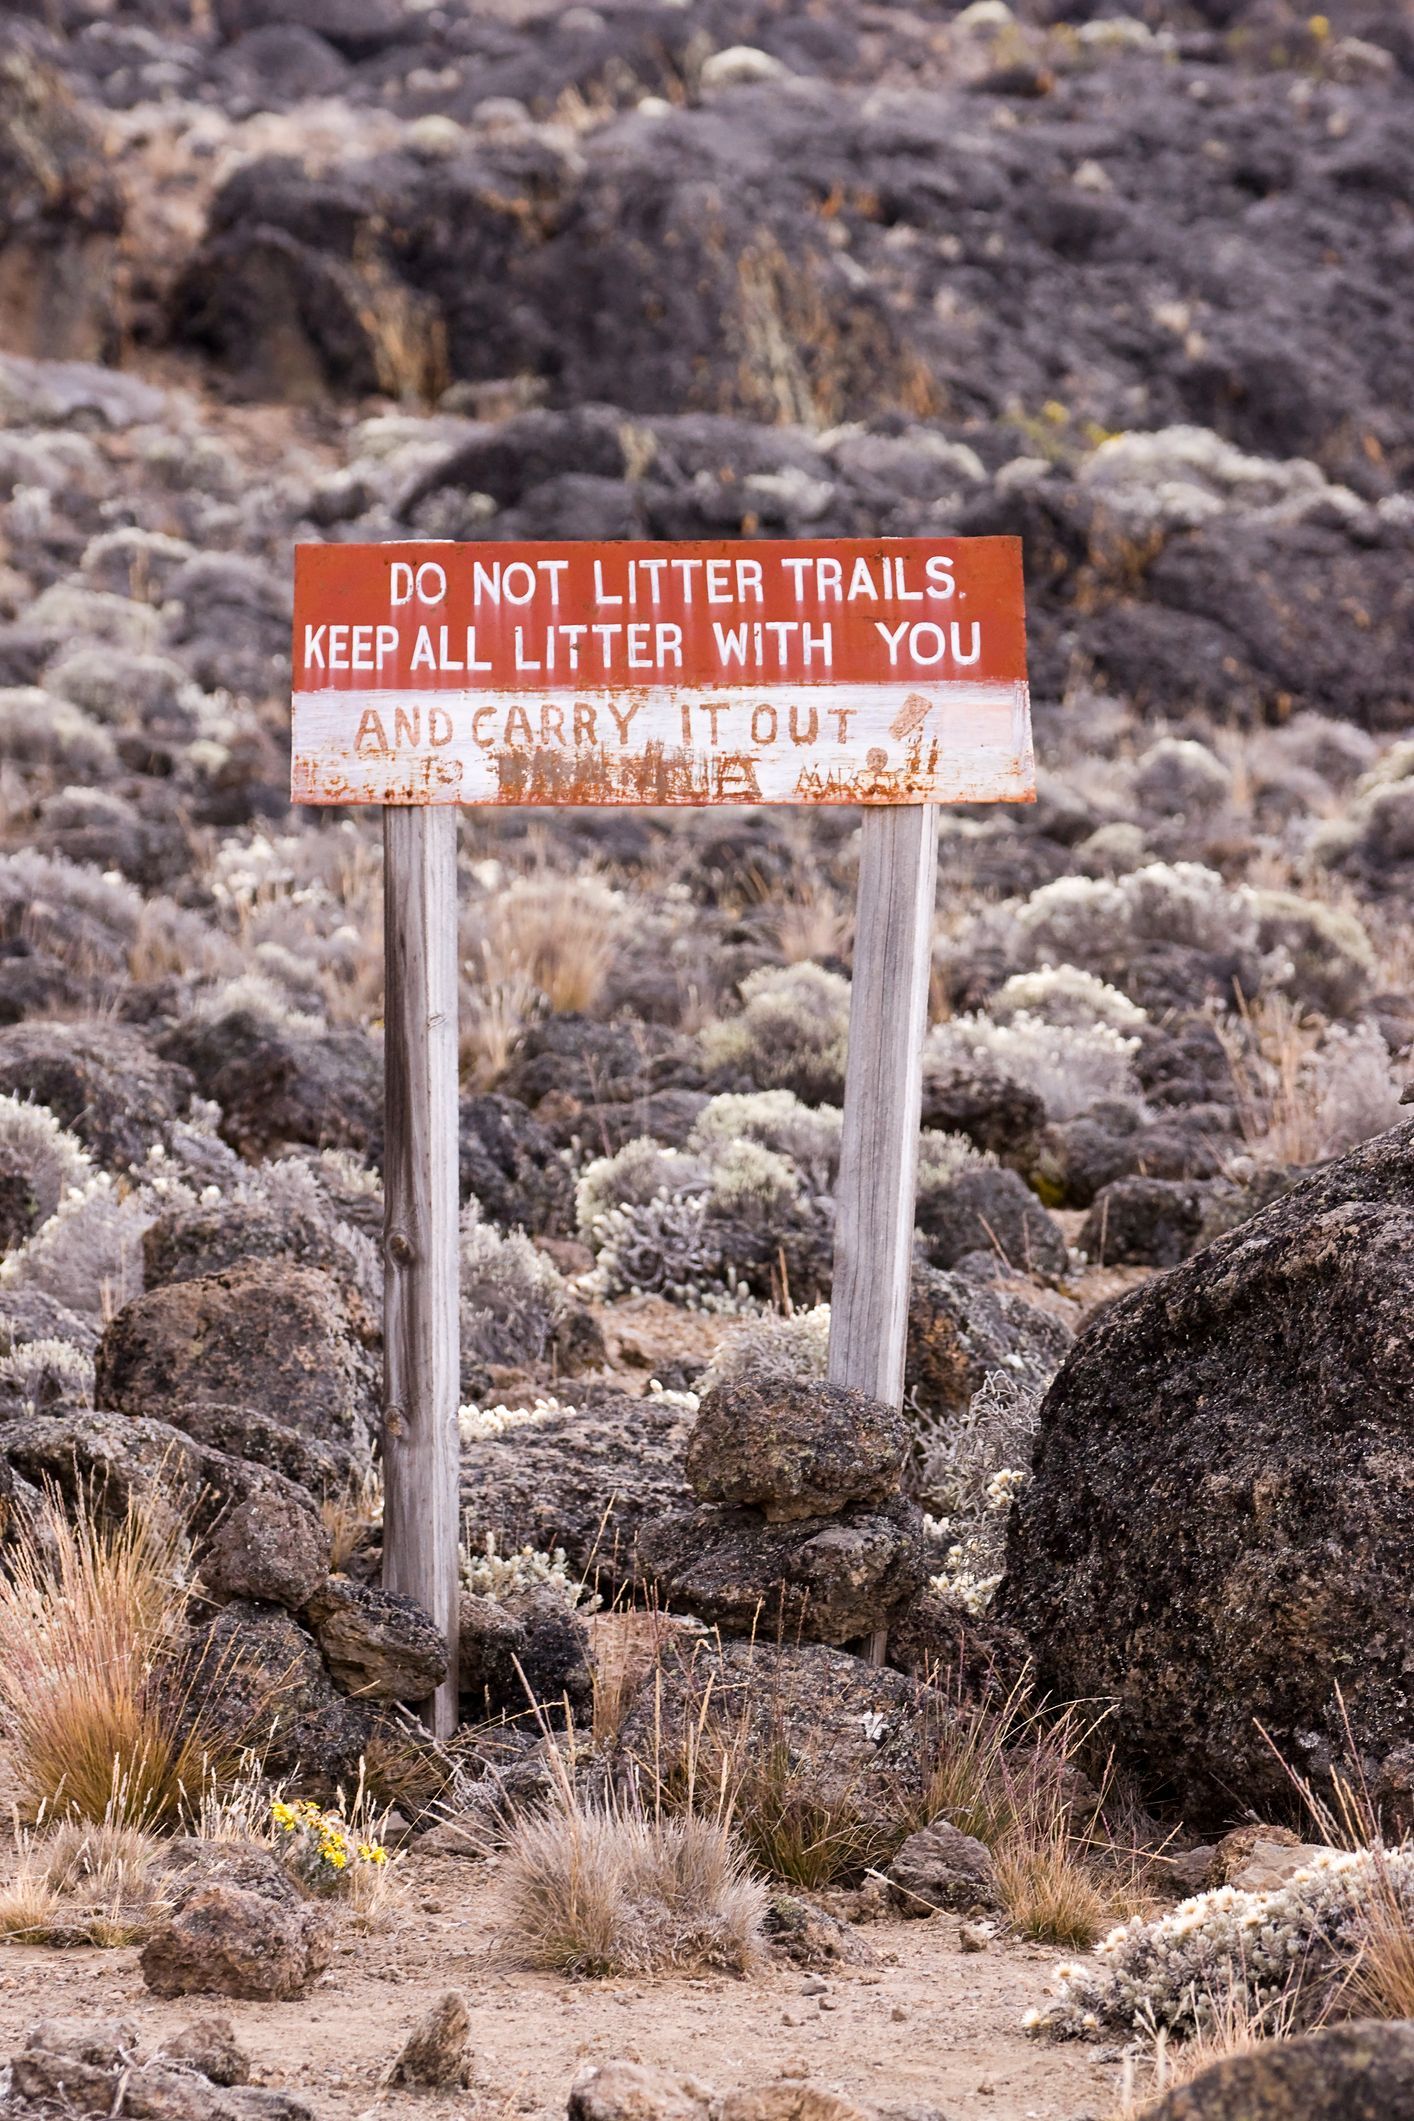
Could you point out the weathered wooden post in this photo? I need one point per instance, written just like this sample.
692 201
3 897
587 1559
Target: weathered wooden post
889 673
888 1016
421 1352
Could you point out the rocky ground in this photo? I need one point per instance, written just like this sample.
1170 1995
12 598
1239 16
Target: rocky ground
1133 286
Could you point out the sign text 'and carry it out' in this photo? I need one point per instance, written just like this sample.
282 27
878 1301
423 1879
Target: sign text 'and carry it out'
841 671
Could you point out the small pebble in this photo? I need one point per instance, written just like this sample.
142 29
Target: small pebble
813 1985
973 1937
899 2014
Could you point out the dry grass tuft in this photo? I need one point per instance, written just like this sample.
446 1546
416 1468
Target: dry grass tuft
349 1517
106 1724
81 1883
597 1891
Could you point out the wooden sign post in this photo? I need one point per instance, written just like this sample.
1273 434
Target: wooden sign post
888 673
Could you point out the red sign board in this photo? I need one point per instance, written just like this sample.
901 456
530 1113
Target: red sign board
876 670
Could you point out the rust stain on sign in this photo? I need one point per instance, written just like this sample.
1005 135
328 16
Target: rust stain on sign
822 671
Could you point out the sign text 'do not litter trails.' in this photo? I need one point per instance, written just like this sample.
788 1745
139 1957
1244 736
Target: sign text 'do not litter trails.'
876 671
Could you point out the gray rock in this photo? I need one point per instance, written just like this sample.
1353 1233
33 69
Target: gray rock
435 2057
1145 1222
986 1210
634 2091
269 1550
209 2044
269 1677
823 1579
100 1079
1359 2072
379 1645
264 1334
794 1448
236 1926
120 1460
941 1867
960 1330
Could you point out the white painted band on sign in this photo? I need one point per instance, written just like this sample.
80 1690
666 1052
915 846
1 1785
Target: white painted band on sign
846 743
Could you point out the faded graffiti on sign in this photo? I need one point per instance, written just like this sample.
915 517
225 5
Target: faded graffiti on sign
834 671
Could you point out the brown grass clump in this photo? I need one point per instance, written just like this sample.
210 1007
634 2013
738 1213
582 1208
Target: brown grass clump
603 1890
1009 1773
80 1883
105 1725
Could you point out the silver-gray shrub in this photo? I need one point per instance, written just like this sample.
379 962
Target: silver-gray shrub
790 1033
512 1296
1285 1953
809 1135
53 1160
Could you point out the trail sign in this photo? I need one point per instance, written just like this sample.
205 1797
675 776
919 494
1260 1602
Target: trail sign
888 673
868 671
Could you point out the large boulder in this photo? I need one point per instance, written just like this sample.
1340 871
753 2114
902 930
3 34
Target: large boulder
509 1164
266 1334
279 1082
269 1550
121 1461
272 1684
795 1447
1360 2072
1219 1530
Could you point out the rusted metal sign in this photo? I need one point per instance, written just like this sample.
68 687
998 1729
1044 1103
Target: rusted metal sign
875 671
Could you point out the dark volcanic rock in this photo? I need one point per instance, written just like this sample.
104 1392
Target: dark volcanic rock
268 1676
1145 1222
960 1330
530 1648
586 1481
826 1579
277 1084
990 1211
1219 1530
510 1165
794 1447
120 1460
101 1080
941 1867
379 1645
323 1469
269 1335
831 1727
1360 2072
273 1552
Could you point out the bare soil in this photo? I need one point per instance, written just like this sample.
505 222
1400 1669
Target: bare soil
922 2025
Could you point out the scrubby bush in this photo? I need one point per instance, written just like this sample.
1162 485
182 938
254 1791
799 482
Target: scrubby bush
1177 777
512 1296
86 917
53 1161
752 1183
642 1171
102 1713
670 1246
1333 965
88 1255
36 729
771 1347
1291 1950
808 1134
607 1891
1070 1068
1091 921
1354 1087
1065 996
39 1375
791 1032
968 1475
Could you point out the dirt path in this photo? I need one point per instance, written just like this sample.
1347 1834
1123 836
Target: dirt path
922 2026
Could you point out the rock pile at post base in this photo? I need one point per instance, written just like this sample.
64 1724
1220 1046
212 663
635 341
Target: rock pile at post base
800 1528
1218 1533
